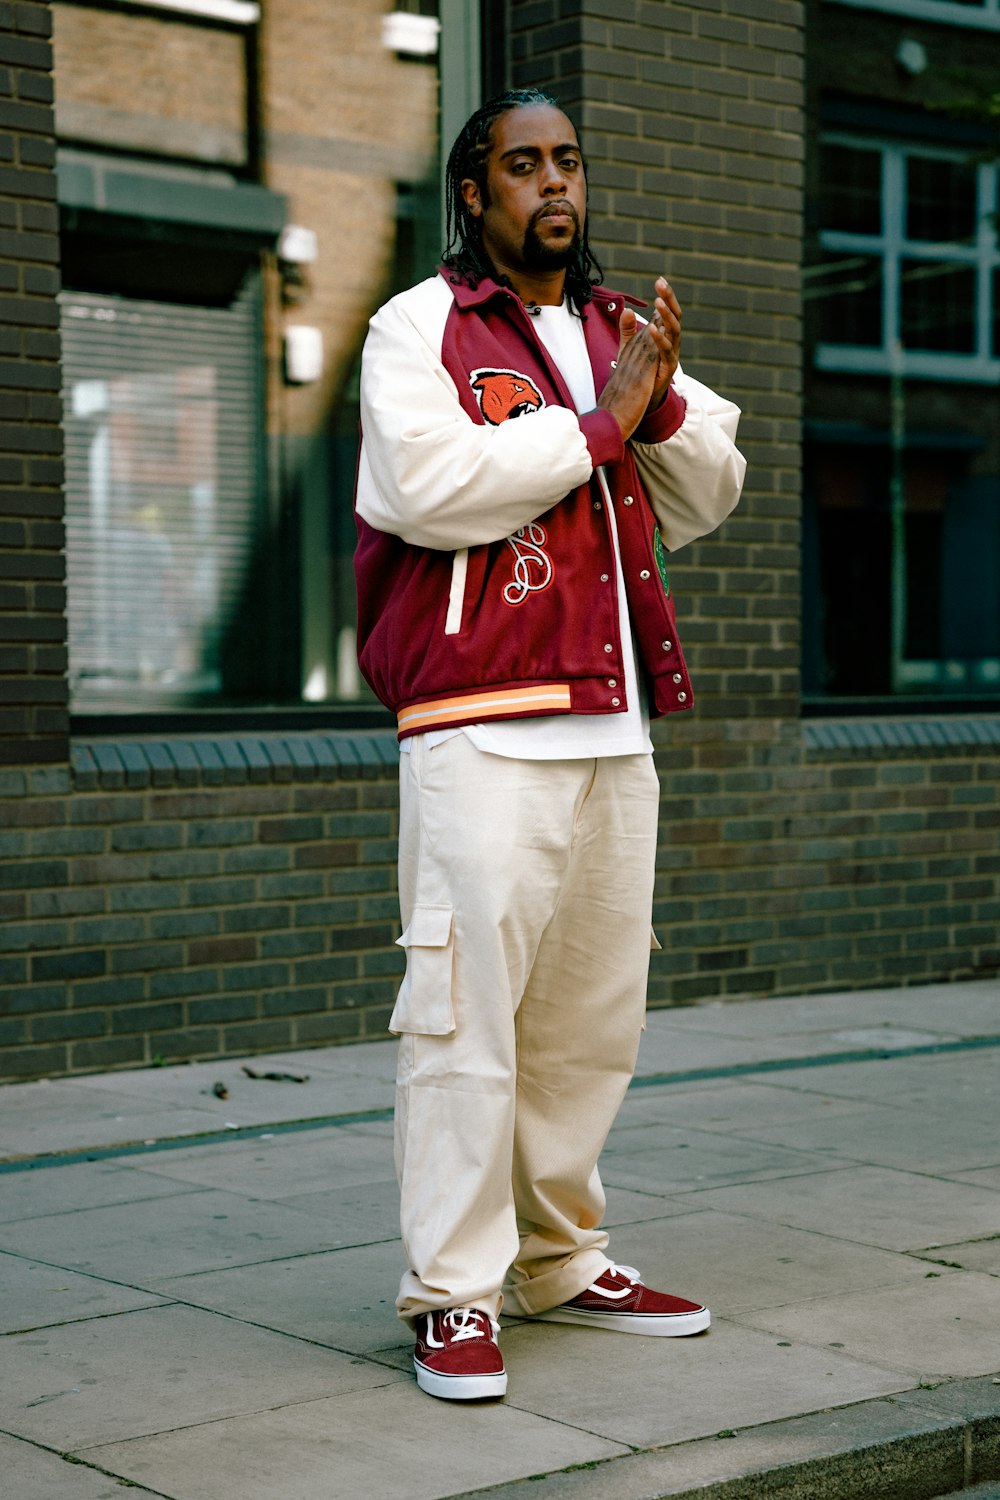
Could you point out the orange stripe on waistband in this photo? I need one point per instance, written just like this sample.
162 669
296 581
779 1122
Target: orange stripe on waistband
510 702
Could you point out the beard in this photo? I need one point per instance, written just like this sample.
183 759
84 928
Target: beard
539 256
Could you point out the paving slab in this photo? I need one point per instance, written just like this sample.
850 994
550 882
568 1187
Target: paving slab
973 1255
169 1367
939 1084
342 1298
34 1473
142 1244
911 1139
648 1392
676 1159
387 1444
695 1256
947 1324
282 1165
38 1296
867 1205
43 1117
49 1190
875 1449
726 1105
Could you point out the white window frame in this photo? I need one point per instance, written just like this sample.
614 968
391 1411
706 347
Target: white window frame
983 17
891 246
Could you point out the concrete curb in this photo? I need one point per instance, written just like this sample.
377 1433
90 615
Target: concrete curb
919 1445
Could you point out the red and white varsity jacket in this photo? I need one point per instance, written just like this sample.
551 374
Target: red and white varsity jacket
485 566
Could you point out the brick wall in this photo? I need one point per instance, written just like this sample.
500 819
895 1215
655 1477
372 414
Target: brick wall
33 716
195 899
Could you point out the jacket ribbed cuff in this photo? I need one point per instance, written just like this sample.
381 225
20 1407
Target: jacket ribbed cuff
662 423
604 437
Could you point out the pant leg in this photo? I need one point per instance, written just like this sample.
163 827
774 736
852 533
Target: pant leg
578 1031
485 843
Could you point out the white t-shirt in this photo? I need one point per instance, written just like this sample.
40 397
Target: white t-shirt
571 736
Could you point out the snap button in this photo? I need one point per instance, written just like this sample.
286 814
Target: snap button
597 504
612 682
615 702
609 647
682 697
605 577
644 573
628 499
678 677
667 645
612 306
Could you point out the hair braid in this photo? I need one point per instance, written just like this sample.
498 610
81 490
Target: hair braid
464 252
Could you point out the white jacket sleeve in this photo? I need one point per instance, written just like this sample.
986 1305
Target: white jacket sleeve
694 478
431 475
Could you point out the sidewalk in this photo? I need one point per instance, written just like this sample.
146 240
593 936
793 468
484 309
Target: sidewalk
198 1291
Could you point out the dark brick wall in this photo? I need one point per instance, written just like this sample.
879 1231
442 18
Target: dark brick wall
167 899
194 900
33 714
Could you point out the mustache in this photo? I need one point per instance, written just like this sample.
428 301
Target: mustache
555 206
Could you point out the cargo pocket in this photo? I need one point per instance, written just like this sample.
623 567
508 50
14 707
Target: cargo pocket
423 1006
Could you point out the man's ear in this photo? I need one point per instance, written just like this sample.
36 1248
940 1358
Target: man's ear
472 196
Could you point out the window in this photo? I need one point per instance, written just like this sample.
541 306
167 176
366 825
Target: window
983 15
902 454
164 497
906 269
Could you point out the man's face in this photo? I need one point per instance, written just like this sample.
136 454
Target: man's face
534 202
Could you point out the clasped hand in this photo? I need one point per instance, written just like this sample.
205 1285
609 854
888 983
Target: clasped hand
647 359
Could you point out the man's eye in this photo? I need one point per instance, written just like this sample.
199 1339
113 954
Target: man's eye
570 163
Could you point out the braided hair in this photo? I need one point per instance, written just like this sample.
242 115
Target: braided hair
464 254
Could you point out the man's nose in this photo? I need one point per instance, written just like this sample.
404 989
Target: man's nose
553 179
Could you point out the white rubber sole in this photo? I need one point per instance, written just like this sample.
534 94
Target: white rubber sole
676 1325
460 1387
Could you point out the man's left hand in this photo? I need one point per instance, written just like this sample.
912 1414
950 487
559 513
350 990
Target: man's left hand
663 330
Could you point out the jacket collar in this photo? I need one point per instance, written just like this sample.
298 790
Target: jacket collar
467 296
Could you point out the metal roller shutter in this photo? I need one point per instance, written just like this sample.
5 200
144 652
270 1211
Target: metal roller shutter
162 421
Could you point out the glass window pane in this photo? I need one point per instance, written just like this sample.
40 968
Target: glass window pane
847 290
940 200
938 306
851 190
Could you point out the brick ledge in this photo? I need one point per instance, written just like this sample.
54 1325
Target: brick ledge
880 738
230 759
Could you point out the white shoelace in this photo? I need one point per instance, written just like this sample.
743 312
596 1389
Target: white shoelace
629 1271
464 1323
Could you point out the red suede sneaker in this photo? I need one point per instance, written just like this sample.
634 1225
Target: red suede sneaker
457 1356
619 1301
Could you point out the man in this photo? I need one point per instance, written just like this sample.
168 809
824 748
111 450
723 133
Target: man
530 454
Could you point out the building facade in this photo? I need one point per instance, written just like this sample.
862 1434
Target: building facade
199 801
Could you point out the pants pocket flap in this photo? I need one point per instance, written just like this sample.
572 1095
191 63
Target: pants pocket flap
424 1003
429 927
654 942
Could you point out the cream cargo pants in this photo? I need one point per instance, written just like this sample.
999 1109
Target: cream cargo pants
525 891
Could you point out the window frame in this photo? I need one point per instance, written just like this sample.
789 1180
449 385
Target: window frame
891 246
984 17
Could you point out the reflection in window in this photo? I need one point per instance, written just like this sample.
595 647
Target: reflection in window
851 188
937 306
851 306
940 199
162 424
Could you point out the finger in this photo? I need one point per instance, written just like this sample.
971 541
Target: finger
627 326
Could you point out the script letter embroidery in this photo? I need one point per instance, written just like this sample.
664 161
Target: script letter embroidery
534 569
